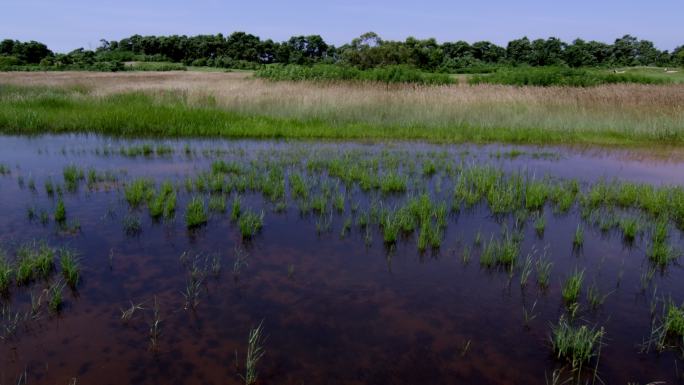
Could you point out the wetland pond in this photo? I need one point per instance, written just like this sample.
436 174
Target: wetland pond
155 261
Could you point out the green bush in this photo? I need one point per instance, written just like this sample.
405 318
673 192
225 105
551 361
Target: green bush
559 76
8 61
152 66
331 72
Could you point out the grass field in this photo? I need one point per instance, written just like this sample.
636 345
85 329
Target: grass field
237 105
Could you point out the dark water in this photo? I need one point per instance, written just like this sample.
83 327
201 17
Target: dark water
334 310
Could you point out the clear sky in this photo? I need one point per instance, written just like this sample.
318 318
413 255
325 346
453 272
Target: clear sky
68 24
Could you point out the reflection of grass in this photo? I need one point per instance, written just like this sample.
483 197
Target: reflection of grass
132 224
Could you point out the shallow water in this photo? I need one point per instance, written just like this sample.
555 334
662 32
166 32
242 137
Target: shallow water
335 310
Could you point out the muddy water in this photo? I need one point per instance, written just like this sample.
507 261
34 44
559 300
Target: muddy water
334 310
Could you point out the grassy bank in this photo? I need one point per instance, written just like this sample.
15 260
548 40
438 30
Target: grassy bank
235 106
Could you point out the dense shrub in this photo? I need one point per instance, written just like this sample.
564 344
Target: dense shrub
152 66
331 72
559 76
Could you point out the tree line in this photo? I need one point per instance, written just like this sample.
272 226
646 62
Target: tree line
244 50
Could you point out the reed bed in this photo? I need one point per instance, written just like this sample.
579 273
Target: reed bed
238 105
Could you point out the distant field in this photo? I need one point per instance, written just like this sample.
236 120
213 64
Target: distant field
237 105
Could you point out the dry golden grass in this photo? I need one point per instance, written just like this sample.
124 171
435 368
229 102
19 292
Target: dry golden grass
656 110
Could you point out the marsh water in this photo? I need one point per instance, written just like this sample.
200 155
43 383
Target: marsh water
335 306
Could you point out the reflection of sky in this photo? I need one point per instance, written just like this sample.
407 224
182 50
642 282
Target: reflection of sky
65 25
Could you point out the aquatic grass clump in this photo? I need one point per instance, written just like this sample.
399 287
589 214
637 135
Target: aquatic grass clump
236 209
429 235
540 225
6 273
217 204
576 345
250 223
34 260
60 211
55 298
572 287
49 187
578 238
629 227
392 183
195 213
659 251
563 195
72 176
543 267
298 186
164 202
139 191
536 193
70 267
255 351
668 330
502 252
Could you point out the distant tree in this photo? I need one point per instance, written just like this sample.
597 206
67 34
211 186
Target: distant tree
457 50
678 56
579 54
626 51
6 47
547 52
488 52
243 46
306 49
520 51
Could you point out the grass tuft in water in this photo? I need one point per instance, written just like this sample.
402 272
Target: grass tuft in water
578 239
60 211
70 267
250 223
572 287
255 351
576 345
195 213
73 175
6 273
217 204
55 298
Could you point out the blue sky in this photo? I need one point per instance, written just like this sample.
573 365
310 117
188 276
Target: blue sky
69 24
